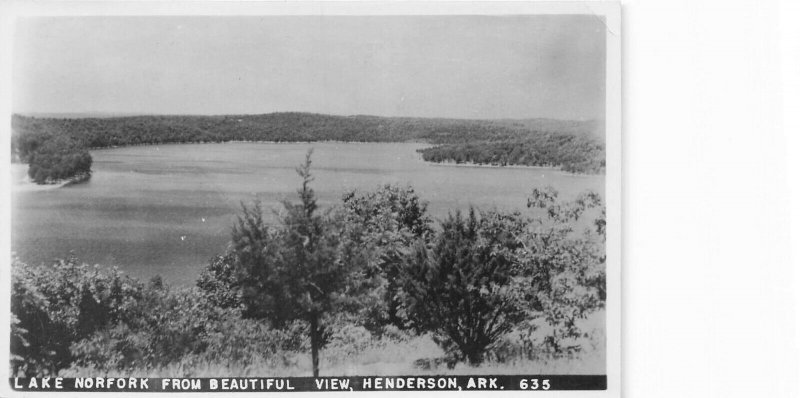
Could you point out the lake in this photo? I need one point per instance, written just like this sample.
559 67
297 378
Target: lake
167 209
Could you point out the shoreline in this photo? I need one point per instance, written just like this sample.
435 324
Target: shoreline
512 166
93 149
489 165
24 183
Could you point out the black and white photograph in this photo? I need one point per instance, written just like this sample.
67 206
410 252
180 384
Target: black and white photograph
316 197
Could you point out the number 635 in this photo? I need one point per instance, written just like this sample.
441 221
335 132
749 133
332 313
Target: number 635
533 384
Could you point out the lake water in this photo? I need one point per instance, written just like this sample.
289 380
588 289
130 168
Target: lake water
167 209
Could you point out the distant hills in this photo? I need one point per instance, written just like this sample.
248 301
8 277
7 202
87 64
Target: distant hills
78 115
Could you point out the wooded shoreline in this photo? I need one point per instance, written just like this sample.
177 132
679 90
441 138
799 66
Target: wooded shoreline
59 147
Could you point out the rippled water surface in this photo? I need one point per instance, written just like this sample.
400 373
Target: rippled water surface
168 209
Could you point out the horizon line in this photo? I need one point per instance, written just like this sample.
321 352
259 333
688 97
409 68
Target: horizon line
108 114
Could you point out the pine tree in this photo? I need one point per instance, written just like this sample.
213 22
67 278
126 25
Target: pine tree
294 271
459 288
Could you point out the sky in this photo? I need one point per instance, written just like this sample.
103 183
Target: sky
486 67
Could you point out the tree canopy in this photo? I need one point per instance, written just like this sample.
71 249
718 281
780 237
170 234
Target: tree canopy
58 158
459 287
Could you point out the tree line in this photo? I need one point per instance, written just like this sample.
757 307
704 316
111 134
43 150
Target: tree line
572 145
574 154
376 262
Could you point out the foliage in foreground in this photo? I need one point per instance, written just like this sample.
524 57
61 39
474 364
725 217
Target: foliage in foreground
468 284
316 267
340 281
59 305
75 315
461 287
563 268
354 351
292 272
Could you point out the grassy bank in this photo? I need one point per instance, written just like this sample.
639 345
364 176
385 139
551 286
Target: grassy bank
407 355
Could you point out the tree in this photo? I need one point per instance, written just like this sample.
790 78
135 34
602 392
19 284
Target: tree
219 282
292 271
563 268
377 226
56 306
459 287
58 158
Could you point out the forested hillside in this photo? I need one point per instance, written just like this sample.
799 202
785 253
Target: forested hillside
575 146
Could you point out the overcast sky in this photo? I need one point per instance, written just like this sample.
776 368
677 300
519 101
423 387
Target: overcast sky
438 66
